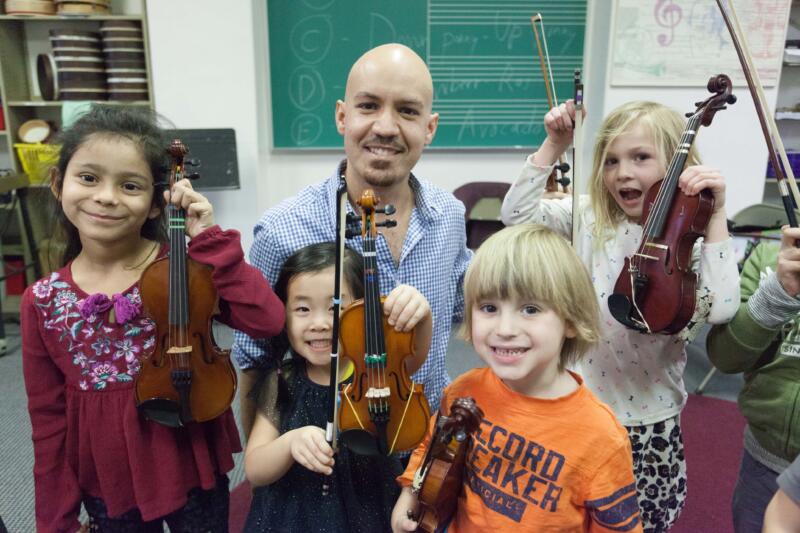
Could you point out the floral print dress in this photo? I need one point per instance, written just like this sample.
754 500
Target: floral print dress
81 355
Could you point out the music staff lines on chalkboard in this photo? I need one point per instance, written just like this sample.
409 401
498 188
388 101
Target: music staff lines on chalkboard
487 88
477 111
571 12
495 69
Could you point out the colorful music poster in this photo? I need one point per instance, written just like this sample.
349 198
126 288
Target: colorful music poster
684 42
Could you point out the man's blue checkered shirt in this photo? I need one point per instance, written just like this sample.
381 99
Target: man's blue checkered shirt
434 259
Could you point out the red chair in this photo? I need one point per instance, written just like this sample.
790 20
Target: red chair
482 200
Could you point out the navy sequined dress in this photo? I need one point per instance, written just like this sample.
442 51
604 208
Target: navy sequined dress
363 489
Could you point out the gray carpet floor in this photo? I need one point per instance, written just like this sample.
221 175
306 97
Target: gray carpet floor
16 453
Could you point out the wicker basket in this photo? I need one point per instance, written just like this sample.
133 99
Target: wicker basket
37 159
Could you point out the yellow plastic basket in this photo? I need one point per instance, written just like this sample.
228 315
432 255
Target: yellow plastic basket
37 159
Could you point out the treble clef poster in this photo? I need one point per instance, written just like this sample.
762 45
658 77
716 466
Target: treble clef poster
682 42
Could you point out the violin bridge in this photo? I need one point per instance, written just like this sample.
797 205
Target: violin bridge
180 349
375 393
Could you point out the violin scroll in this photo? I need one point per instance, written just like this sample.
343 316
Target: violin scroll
720 85
439 479
465 417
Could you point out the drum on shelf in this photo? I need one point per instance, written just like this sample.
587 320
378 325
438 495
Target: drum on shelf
127 42
81 93
116 64
66 62
46 77
83 7
79 64
123 54
127 25
126 68
30 7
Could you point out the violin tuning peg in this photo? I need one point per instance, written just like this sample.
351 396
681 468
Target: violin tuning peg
191 162
387 224
193 176
352 217
388 209
352 229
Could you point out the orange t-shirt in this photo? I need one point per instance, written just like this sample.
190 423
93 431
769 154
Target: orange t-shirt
538 464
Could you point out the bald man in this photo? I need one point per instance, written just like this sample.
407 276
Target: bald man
386 120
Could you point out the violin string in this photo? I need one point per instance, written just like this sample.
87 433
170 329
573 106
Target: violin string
661 204
180 236
170 216
369 314
381 341
658 205
178 229
380 349
378 339
177 261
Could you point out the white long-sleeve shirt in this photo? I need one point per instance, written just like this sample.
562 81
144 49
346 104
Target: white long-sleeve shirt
639 375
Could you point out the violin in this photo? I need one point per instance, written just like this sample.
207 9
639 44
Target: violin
382 411
655 292
188 378
438 480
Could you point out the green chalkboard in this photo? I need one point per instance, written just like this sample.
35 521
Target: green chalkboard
488 87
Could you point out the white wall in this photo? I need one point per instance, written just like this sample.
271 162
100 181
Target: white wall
204 76
210 69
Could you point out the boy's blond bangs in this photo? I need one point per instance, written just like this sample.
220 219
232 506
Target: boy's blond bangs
665 125
532 262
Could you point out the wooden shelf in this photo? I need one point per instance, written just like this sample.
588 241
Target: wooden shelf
11 305
787 115
51 18
13 182
59 103
21 39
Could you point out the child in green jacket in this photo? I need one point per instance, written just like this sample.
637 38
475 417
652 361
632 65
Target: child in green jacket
763 341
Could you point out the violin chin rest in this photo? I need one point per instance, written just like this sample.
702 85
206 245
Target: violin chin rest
622 309
360 441
162 411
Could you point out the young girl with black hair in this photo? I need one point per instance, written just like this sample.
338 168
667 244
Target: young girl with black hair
287 455
84 335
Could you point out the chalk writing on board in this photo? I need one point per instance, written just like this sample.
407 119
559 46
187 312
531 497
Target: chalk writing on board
484 74
306 129
306 88
684 42
311 38
488 88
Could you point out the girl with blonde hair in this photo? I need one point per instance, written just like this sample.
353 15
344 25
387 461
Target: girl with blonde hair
639 375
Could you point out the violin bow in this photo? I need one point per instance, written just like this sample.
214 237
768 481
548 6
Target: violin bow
577 152
331 432
765 118
552 99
